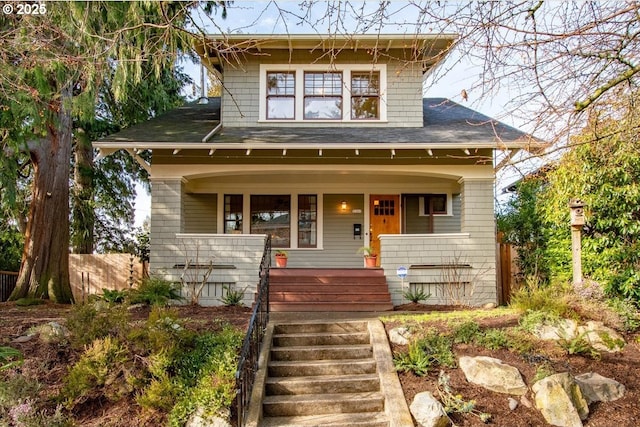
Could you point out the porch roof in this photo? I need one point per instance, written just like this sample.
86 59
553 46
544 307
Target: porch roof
446 125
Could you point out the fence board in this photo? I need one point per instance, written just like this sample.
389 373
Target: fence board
90 273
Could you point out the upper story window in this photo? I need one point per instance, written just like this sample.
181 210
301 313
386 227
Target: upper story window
323 96
310 92
365 95
281 95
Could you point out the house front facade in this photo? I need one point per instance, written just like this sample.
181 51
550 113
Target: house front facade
327 145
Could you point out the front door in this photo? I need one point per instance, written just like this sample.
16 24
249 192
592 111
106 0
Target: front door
384 218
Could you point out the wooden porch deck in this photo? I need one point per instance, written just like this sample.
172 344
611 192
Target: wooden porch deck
317 289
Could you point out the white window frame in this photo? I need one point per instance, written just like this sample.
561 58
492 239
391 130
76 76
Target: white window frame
449 205
345 69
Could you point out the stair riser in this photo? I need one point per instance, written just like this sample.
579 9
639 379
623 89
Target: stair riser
327 272
327 297
302 328
311 340
289 354
297 370
321 281
287 409
286 387
329 307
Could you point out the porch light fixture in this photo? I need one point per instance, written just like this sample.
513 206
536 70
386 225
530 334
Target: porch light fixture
248 151
284 151
376 202
343 205
430 152
213 150
393 153
320 152
466 151
357 152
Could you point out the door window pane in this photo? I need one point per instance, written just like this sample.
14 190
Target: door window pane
270 215
307 221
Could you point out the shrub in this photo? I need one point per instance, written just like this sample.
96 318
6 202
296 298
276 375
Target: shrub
466 332
156 291
113 296
536 296
628 313
93 321
101 363
15 388
232 297
532 319
432 350
416 296
493 339
454 402
579 345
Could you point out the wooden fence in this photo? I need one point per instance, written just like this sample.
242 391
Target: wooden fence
89 274
507 270
8 281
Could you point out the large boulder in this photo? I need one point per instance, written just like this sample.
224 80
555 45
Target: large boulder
198 419
428 411
562 329
51 332
596 388
601 337
560 401
493 375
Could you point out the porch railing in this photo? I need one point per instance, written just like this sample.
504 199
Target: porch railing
248 361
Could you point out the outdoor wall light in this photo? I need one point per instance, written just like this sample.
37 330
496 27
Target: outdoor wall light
343 205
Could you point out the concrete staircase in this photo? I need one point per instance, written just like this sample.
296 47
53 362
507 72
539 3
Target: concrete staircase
308 289
328 374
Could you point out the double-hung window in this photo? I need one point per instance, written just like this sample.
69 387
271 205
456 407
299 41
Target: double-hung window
365 95
322 96
281 95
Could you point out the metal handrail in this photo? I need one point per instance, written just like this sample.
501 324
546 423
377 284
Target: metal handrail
248 361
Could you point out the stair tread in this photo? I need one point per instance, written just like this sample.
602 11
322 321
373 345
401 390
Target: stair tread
321 334
318 378
321 347
331 397
351 419
321 362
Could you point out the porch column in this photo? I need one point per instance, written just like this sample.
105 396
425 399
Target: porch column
478 219
166 222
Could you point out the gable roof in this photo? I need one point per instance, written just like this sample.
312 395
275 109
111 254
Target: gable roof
446 124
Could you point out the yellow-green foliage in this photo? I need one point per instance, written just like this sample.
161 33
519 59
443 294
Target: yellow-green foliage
89 322
101 364
536 296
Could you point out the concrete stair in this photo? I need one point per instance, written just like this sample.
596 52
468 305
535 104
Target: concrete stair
351 289
323 374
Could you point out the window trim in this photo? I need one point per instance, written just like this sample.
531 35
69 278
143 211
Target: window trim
449 203
300 69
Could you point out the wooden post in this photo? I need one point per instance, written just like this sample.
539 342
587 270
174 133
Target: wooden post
577 221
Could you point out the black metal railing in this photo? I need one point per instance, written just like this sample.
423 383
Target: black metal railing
248 361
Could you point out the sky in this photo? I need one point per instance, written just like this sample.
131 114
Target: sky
270 17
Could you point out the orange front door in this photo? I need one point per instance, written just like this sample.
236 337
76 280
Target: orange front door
384 218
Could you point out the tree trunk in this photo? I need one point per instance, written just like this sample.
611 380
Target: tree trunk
44 272
83 214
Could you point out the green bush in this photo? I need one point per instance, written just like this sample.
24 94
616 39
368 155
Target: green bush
113 296
493 339
628 313
416 296
433 349
536 296
532 319
466 332
15 388
156 291
579 345
89 322
101 364
232 297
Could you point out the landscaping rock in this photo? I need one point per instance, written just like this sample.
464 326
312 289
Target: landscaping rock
525 402
564 329
399 336
197 419
596 388
513 404
490 306
50 332
493 374
428 411
601 337
560 401
23 338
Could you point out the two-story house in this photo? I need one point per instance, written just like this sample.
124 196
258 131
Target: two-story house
326 144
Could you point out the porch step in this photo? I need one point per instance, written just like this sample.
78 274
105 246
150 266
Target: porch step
323 374
300 289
